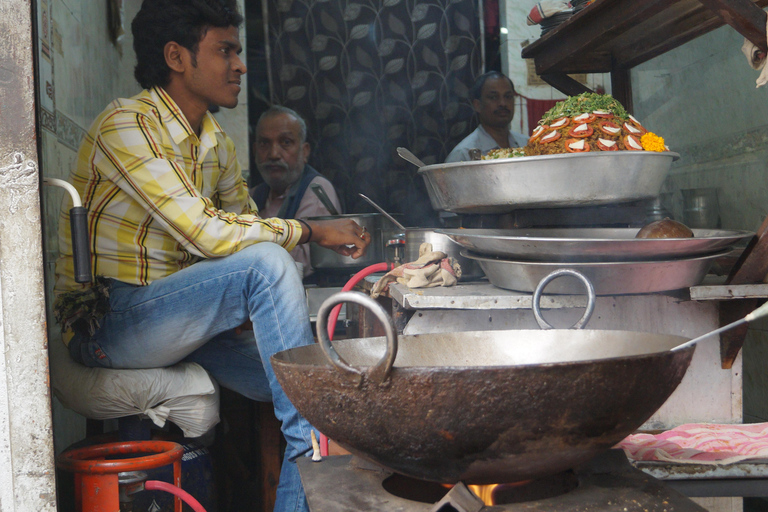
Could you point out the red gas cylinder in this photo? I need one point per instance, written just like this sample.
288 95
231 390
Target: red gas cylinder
96 468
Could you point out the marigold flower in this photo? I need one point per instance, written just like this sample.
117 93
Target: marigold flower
652 142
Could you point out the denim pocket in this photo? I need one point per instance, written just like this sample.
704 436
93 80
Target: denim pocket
88 352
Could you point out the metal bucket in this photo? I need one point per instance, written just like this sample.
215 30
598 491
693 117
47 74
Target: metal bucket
329 260
701 208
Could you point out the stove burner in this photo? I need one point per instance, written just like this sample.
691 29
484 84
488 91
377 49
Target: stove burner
504 494
607 483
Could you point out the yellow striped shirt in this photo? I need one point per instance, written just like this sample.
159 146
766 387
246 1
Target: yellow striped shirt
159 197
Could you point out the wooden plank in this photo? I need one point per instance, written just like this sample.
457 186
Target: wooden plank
751 267
588 30
270 454
664 36
744 16
727 292
621 85
565 84
623 33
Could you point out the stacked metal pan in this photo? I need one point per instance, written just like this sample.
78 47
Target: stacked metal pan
547 181
612 258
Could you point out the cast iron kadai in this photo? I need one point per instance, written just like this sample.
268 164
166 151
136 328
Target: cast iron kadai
485 406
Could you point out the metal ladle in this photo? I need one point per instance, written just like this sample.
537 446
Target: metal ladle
406 154
384 213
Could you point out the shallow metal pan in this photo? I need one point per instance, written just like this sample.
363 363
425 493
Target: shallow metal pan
591 244
608 278
583 179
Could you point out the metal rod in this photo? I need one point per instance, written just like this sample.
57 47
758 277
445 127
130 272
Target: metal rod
383 212
754 315
323 197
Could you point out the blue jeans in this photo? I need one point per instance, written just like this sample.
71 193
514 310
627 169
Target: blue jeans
191 316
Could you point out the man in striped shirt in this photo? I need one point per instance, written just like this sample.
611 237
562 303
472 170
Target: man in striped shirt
181 257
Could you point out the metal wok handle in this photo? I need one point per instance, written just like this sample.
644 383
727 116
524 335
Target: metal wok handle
380 371
554 275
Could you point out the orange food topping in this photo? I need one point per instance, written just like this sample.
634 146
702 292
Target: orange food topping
609 128
560 123
550 137
576 145
632 143
584 118
634 129
607 145
537 132
581 131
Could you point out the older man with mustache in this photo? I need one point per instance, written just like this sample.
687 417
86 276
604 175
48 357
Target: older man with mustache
281 149
493 98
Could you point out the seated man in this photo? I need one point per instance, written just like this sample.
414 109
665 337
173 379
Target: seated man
493 98
281 151
183 262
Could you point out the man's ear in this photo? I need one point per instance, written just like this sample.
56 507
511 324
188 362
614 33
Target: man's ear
174 56
306 148
476 105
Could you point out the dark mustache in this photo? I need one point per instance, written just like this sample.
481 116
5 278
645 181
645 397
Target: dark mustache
279 163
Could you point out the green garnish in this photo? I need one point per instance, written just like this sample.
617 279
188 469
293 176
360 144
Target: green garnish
584 103
495 154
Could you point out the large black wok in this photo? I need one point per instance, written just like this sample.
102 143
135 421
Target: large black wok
480 407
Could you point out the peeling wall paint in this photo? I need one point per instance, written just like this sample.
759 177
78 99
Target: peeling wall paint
27 480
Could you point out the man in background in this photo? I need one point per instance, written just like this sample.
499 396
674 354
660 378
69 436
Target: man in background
493 98
290 183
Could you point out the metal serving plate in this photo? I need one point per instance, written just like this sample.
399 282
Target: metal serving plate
590 244
608 278
574 179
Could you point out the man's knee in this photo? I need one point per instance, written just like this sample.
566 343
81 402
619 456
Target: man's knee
268 257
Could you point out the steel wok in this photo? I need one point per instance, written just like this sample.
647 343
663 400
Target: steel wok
480 407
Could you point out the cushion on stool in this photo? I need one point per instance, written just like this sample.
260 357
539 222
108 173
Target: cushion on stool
183 393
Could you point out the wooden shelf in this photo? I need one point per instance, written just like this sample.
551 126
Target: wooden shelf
612 36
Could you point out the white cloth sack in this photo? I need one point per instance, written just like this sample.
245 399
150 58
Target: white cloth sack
756 59
183 393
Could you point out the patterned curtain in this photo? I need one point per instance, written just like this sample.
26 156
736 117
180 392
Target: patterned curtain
369 76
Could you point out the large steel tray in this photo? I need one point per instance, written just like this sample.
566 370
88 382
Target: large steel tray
551 181
608 278
590 244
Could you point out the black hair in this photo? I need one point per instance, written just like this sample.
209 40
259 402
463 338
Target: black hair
477 89
183 21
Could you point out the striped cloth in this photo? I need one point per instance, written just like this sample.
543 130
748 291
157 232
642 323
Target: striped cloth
701 443
160 197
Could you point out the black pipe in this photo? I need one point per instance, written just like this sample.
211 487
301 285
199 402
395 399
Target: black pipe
81 252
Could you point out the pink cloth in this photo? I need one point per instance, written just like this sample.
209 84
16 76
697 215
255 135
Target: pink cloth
698 443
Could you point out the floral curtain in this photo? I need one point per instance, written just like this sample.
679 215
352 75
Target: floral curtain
369 76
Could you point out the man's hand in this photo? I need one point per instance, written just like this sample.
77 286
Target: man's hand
345 236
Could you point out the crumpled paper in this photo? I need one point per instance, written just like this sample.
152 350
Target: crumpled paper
545 9
431 269
756 58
